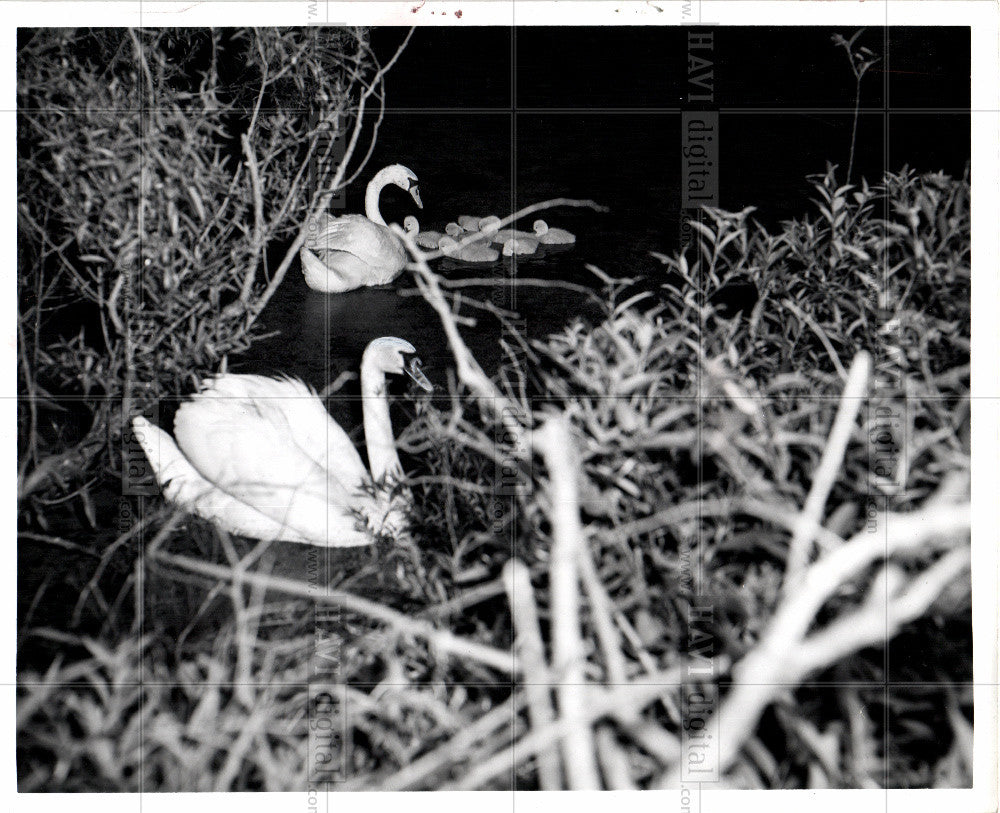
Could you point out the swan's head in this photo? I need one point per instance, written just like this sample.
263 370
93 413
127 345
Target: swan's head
540 227
402 177
388 355
453 230
411 225
489 224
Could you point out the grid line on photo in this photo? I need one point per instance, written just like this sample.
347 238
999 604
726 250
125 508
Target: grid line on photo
514 591
887 55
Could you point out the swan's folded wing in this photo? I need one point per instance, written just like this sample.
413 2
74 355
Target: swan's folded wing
184 486
312 511
257 428
317 227
244 449
340 271
371 243
298 409
429 239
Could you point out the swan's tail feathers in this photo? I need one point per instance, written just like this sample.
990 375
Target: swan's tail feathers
314 270
169 464
330 278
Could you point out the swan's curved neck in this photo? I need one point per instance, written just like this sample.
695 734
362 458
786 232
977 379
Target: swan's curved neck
382 457
375 187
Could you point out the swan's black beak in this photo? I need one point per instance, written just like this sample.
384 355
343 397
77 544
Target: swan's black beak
413 371
415 193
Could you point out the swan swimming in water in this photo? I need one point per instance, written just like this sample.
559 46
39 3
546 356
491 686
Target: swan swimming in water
488 226
351 251
261 457
424 239
459 234
475 252
552 236
519 245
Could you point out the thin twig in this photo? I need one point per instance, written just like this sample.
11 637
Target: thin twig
601 609
469 371
58 542
258 217
245 636
91 585
467 598
455 750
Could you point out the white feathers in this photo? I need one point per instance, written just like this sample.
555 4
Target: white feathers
261 457
519 245
476 252
352 251
549 236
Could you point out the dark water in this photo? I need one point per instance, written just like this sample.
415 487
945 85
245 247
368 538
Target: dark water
493 163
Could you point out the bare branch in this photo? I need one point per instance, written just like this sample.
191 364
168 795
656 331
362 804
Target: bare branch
555 443
829 466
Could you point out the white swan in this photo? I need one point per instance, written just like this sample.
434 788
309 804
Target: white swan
519 245
468 222
476 252
424 239
351 251
488 226
459 234
261 457
552 237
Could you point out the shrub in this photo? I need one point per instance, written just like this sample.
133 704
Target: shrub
152 180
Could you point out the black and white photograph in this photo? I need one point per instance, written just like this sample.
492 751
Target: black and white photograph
505 397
